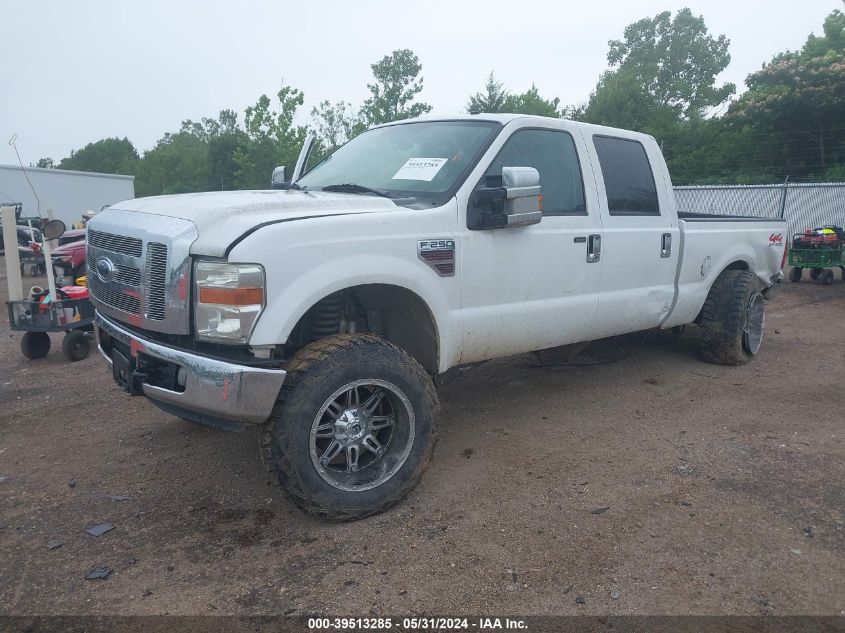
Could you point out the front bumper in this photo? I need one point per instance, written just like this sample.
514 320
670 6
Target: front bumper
215 391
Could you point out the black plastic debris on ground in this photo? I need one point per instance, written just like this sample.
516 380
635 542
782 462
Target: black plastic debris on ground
54 544
99 529
98 573
600 510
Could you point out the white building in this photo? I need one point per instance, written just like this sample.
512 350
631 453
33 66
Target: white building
67 193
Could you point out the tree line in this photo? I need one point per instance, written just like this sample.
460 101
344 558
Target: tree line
661 80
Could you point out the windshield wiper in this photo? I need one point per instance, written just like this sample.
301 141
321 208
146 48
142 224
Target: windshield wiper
349 187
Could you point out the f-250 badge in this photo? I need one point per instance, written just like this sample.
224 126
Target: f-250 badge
439 255
436 245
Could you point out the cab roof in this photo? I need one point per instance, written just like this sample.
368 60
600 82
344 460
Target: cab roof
505 118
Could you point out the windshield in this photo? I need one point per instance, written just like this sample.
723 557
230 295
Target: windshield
410 159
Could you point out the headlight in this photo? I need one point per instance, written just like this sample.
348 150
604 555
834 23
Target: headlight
229 298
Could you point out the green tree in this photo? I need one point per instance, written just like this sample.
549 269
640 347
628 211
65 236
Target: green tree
397 84
46 163
199 157
530 102
832 39
795 105
224 137
108 156
662 82
177 164
495 98
620 101
271 138
675 61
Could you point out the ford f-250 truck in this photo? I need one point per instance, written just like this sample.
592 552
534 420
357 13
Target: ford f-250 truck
324 310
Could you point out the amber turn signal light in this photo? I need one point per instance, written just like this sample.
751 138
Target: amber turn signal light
232 296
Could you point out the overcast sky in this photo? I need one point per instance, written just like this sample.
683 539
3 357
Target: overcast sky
76 72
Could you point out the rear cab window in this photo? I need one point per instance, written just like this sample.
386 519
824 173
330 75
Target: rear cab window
628 178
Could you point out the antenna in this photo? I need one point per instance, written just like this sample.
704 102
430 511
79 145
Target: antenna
26 175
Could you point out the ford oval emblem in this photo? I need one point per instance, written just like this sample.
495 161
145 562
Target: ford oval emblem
105 269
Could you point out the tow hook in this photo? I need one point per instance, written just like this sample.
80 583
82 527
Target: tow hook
136 381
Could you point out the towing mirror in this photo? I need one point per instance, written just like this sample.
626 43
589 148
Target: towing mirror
278 179
508 201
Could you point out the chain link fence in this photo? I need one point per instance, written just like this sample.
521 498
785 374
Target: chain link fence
804 205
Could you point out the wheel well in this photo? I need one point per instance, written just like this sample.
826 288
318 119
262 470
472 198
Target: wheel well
737 265
392 312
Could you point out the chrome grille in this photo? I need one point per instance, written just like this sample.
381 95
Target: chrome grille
114 298
115 243
127 275
123 291
155 283
146 278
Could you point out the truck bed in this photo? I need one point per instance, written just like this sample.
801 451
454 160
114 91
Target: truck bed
710 243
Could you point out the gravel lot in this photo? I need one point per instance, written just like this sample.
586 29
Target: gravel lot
654 485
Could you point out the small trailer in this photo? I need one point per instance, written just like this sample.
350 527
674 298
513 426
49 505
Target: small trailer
38 316
67 310
821 250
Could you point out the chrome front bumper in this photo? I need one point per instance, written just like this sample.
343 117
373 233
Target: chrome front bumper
214 389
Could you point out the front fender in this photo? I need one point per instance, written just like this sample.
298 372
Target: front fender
307 269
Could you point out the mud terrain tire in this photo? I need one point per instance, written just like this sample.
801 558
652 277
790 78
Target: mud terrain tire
315 374
733 319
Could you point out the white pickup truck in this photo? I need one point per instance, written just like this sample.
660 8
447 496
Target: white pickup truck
325 309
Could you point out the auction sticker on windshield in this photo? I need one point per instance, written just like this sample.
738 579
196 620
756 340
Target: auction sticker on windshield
420 169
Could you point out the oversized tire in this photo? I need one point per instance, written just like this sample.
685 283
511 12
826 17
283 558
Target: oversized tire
733 319
353 428
76 346
815 273
827 277
35 345
843 273
795 274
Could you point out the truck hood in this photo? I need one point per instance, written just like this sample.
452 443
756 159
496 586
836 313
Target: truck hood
223 217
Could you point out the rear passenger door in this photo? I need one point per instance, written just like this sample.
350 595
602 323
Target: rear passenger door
640 236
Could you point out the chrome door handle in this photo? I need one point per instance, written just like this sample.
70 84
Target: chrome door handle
593 249
666 246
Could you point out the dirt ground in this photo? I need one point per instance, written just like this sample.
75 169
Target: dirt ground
723 489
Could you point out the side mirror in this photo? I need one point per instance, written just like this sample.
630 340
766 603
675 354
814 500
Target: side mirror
53 230
279 180
509 200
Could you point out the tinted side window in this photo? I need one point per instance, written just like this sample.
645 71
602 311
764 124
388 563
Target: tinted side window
552 153
627 177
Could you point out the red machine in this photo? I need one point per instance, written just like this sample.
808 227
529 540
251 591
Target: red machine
69 262
826 237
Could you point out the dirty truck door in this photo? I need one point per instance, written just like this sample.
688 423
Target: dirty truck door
536 286
641 238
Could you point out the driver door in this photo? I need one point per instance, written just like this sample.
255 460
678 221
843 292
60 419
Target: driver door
533 287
